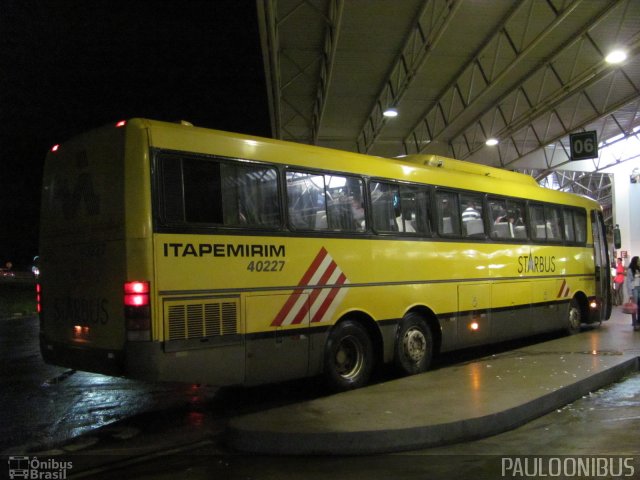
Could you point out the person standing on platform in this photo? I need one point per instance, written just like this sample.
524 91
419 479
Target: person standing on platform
618 283
633 288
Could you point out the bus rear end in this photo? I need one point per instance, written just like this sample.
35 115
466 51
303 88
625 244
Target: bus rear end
90 294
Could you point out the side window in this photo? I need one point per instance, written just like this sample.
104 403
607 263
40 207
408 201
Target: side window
202 191
538 226
553 224
250 195
385 206
306 202
198 191
498 215
569 232
507 218
471 214
345 203
325 202
171 190
447 213
546 222
515 215
580 223
414 201
399 208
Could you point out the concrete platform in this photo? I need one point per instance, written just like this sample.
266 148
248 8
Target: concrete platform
452 404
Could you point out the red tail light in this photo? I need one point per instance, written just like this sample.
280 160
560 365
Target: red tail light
137 310
136 294
38 305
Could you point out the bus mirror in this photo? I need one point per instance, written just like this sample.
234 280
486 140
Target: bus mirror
616 237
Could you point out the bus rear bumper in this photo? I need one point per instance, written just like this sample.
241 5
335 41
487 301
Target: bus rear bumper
96 360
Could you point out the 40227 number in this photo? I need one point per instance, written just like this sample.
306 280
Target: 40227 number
265 265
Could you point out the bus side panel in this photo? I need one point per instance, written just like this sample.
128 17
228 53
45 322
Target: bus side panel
511 315
211 366
279 354
546 309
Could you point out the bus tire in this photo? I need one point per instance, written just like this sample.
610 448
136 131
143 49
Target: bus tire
574 317
348 356
414 345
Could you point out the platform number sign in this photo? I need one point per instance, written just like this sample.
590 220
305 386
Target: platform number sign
583 145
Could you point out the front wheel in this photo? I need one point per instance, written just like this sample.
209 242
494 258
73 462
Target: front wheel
414 345
348 358
574 318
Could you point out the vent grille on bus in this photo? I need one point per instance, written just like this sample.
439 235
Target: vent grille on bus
197 320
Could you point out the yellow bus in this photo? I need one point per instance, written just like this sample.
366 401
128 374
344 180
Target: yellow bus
176 253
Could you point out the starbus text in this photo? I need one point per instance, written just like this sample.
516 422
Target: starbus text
536 263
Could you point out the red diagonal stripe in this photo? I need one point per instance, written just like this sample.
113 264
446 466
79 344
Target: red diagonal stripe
314 294
329 300
284 311
302 313
564 282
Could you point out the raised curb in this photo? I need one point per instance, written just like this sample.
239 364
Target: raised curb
440 407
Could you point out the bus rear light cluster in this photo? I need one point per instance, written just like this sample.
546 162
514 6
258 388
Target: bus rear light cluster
38 299
136 294
137 311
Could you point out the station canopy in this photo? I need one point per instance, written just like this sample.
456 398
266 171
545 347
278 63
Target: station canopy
457 73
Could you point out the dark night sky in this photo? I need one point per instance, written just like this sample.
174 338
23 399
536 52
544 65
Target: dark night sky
68 66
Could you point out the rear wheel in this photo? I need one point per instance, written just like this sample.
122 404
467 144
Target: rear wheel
414 345
574 318
348 357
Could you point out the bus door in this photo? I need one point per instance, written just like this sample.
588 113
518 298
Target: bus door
602 266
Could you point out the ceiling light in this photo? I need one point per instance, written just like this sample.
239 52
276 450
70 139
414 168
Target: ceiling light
390 113
616 56
491 142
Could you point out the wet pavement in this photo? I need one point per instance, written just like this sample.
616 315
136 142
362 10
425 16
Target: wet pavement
51 405
168 431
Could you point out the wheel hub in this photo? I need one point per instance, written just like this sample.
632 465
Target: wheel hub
415 345
574 317
349 358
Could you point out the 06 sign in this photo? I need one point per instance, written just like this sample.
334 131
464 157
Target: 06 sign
583 145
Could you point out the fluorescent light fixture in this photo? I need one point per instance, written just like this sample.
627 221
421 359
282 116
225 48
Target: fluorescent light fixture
390 113
491 142
616 56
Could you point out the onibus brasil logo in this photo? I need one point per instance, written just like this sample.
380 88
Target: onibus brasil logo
34 468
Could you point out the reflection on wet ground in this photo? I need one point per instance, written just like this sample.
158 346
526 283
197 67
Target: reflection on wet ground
50 405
